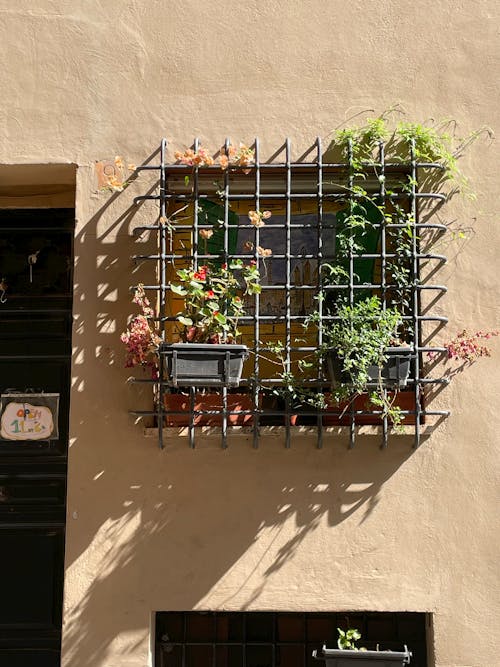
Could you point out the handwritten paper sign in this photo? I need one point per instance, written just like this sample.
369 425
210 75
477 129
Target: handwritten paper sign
34 420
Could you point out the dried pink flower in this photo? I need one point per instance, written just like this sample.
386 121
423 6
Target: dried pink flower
140 339
467 346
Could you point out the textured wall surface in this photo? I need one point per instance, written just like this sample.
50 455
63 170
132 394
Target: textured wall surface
269 529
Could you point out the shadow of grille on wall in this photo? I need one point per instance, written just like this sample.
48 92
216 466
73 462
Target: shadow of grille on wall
380 238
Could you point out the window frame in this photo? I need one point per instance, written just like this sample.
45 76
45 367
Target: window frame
260 184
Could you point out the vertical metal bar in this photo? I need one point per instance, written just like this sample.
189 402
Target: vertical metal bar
194 251
288 337
192 403
225 260
196 196
256 369
383 263
415 295
162 230
352 420
319 193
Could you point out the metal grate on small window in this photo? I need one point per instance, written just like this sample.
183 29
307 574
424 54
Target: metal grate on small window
275 639
303 238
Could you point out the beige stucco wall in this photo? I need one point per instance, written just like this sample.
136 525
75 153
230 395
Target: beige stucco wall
297 529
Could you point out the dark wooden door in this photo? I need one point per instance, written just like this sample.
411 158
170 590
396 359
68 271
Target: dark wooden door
36 298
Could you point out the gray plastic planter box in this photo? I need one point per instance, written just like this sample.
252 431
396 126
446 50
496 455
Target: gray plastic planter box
394 372
203 365
334 657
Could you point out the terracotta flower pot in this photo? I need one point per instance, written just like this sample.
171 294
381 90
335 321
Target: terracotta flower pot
404 400
340 415
180 403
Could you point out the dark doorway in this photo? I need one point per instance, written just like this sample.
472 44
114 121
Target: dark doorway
36 298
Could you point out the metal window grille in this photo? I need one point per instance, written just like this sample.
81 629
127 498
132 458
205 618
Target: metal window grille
271 639
308 201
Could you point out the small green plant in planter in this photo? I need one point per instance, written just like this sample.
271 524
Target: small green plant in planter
213 305
348 653
362 351
347 639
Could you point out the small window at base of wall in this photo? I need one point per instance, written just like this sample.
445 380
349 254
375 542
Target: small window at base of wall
278 639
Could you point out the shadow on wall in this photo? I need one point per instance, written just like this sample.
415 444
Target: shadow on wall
150 530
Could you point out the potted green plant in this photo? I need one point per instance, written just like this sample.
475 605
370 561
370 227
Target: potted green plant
363 354
349 655
363 347
208 354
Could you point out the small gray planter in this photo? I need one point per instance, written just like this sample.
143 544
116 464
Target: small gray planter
334 657
202 364
394 372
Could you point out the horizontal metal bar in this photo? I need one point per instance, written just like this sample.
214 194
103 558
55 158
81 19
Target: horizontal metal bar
274 257
403 166
276 319
173 227
271 288
148 167
267 196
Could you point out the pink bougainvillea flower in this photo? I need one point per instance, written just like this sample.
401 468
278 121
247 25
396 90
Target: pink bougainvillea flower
264 252
141 339
115 183
243 156
223 162
199 158
467 346
257 217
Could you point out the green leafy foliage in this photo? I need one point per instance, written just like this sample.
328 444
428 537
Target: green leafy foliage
360 337
426 142
213 302
347 639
